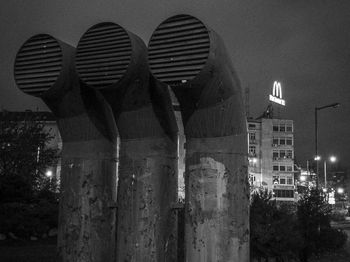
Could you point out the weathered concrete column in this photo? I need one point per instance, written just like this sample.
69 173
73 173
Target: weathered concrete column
192 59
114 61
44 68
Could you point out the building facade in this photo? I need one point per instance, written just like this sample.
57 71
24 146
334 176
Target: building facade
271 156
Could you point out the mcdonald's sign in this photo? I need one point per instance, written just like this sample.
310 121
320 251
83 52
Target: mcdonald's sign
277 94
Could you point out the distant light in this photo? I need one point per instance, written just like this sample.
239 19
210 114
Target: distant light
255 160
183 81
317 158
48 173
333 159
324 190
302 178
340 190
277 94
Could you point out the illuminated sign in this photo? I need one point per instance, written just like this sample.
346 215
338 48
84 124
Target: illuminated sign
277 94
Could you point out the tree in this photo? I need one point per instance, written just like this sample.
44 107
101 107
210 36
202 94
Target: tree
273 229
28 199
314 217
24 157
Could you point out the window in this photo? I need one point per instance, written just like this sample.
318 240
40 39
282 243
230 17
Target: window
275 168
289 168
275 128
289 154
282 128
282 154
282 168
282 180
289 128
289 181
275 154
289 141
282 141
251 126
252 150
284 193
251 136
275 141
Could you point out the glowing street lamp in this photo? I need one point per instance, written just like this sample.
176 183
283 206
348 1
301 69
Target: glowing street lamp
317 158
48 173
331 159
340 190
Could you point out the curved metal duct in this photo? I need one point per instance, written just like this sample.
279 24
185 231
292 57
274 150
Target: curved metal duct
191 58
44 67
114 61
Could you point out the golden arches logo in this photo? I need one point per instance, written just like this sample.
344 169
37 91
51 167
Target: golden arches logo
277 89
277 94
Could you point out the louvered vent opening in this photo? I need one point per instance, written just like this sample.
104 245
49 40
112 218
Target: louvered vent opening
38 64
103 55
178 49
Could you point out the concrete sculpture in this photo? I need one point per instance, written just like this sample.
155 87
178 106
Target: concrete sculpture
44 67
114 62
191 58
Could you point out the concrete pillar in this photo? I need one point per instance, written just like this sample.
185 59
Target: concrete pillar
191 58
44 67
114 61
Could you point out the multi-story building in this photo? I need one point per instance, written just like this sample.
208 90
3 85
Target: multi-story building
271 156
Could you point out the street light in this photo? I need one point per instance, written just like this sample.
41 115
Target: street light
332 159
334 105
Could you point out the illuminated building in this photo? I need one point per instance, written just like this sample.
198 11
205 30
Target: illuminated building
271 156
271 150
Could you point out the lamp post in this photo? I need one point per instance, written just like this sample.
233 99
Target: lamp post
317 158
332 159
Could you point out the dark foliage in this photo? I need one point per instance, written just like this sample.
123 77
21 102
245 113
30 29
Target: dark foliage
314 217
28 199
292 233
273 229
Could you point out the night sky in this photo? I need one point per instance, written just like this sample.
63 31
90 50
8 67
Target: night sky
305 44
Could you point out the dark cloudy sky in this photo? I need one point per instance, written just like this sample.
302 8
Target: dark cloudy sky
305 44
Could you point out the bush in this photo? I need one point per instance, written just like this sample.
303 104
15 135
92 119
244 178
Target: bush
332 239
25 220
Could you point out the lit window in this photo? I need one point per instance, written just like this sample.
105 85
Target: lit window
282 154
252 150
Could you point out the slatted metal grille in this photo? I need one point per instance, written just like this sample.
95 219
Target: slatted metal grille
178 49
103 55
38 64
